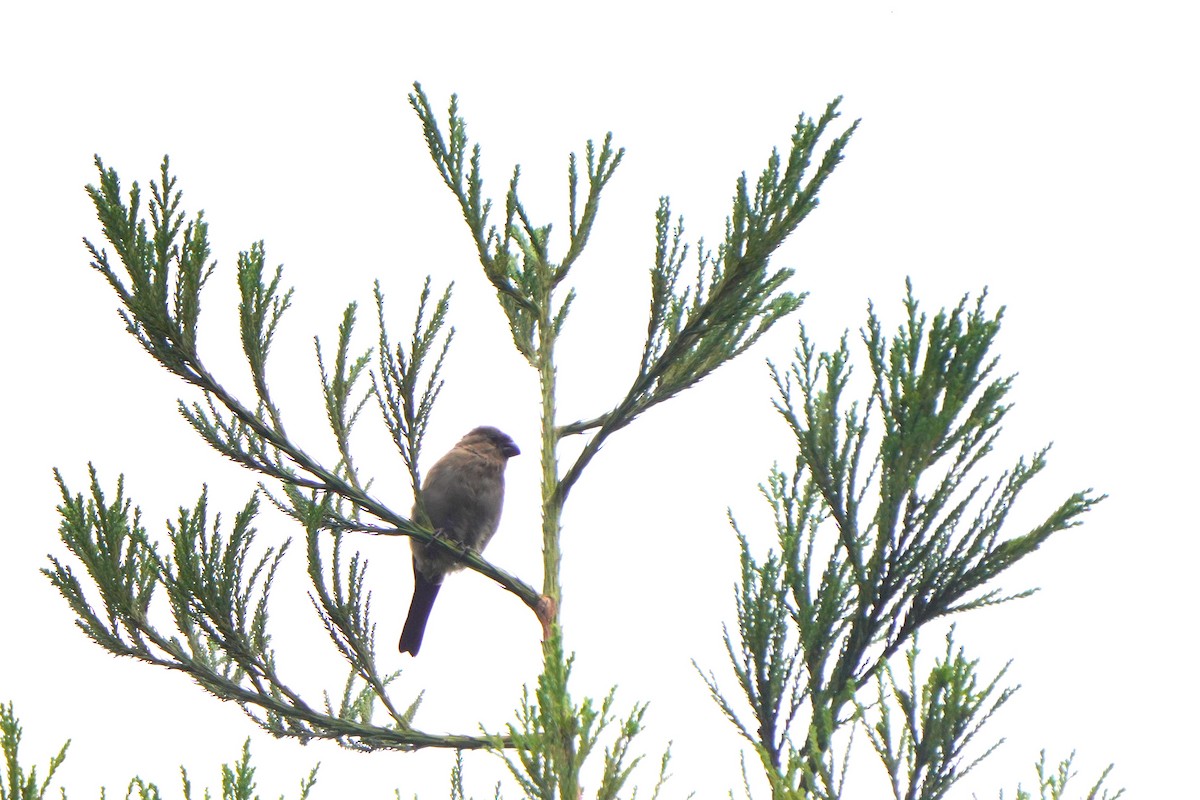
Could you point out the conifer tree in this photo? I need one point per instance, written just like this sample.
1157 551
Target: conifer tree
883 524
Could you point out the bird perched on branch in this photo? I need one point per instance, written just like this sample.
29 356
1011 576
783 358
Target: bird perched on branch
461 498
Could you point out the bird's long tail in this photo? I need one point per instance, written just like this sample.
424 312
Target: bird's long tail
424 593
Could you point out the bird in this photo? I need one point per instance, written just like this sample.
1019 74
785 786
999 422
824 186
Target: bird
461 497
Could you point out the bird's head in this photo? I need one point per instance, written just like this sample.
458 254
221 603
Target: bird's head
486 434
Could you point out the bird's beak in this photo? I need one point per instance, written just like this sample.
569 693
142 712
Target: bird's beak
510 449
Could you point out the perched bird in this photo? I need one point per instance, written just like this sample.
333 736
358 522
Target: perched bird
462 497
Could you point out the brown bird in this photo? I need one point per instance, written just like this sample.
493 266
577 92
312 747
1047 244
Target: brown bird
462 497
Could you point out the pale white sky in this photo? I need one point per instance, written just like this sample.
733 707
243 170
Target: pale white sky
1046 151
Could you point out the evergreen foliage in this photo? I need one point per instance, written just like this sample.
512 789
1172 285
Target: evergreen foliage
878 535
15 782
883 526
237 779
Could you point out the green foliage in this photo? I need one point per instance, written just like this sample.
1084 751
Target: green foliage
883 526
15 783
553 738
400 389
692 329
735 297
1052 782
158 265
237 779
218 586
523 284
218 589
339 391
937 720
878 535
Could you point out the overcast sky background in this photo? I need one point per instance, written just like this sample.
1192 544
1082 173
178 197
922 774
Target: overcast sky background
1046 151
